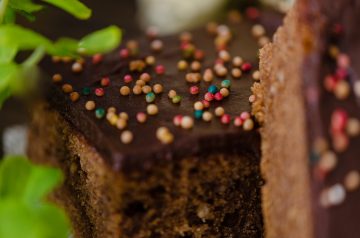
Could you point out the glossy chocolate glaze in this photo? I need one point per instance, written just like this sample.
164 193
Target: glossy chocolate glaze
341 220
204 138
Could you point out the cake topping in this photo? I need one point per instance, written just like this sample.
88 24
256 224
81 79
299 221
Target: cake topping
201 81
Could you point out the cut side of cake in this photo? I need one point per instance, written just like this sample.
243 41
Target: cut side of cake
156 139
308 104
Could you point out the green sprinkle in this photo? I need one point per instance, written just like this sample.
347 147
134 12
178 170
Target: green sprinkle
213 89
176 99
100 113
198 114
86 91
150 97
226 83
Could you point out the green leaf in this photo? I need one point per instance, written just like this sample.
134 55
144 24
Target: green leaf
25 5
18 219
74 7
66 47
40 183
14 172
10 16
21 180
101 41
24 211
7 54
7 72
22 38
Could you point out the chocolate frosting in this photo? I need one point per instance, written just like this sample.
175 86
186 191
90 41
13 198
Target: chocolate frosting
204 138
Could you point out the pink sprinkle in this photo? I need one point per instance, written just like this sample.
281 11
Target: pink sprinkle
252 13
160 69
105 81
209 96
245 115
218 96
97 58
206 103
338 29
341 73
219 61
128 78
238 121
246 67
338 120
343 61
330 83
141 117
177 120
225 119
99 92
199 55
124 53
184 45
252 98
194 90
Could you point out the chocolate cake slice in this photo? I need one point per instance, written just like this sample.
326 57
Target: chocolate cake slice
308 102
156 139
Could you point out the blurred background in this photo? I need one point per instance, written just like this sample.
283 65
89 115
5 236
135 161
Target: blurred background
133 16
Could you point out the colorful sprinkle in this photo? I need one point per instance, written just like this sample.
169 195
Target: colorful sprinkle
57 78
209 96
74 96
99 92
105 82
141 117
198 114
152 109
207 116
126 137
128 78
90 105
100 113
187 122
150 97
67 88
225 119
86 91
176 99
226 83
124 90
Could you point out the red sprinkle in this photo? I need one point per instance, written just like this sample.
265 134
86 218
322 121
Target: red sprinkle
245 115
206 103
330 83
341 73
218 96
199 55
124 53
128 78
97 58
194 90
209 96
177 120
105 81
338 120
238 121
252 13
246 67
225 119
160 69
99 92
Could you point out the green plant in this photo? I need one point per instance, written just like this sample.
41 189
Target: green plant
24 210
13 38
